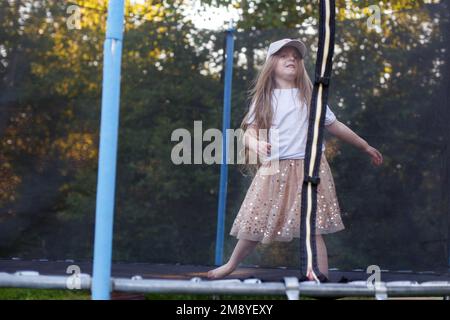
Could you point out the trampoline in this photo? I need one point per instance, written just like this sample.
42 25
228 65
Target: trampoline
389 83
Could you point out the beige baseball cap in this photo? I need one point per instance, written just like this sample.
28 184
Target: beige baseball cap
277 45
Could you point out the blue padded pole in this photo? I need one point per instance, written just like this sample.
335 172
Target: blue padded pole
223 165
109 127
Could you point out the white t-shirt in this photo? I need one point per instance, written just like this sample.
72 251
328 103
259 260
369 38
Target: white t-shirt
291 120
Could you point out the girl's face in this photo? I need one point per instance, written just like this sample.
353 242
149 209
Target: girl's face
286 68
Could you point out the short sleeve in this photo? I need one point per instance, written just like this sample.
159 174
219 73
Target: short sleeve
251 114
329 116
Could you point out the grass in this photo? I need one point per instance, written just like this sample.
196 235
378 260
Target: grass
43 294
53 294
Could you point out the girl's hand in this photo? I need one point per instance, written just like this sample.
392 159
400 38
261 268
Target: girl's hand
377 158
264 149
260 147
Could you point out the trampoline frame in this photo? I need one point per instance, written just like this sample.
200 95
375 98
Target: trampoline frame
291 287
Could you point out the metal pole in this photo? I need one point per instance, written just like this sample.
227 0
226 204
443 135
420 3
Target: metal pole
104 213
290 286
446 90
223 165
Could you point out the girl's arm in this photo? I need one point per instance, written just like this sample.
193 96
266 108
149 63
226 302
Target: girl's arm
341 131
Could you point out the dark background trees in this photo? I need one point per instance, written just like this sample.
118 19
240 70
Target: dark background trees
391 87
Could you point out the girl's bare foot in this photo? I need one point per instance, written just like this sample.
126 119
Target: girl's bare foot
220 272
311 276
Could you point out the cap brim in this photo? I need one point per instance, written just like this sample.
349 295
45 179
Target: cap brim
300 46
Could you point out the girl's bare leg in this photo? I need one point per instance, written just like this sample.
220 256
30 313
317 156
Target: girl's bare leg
322 257
243 249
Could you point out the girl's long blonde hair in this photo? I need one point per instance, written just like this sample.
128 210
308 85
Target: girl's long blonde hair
260 95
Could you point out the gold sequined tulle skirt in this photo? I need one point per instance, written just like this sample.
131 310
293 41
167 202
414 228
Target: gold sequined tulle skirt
271 208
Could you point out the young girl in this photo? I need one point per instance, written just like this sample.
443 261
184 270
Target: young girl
270 212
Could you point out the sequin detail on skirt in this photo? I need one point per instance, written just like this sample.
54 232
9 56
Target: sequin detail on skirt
271 208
